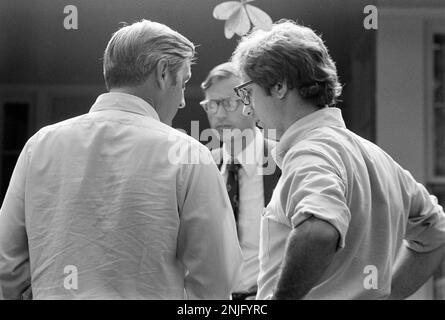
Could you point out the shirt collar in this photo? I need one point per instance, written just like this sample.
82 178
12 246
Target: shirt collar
250 158
325 117
124 102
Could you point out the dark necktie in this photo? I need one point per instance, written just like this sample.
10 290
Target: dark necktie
233 187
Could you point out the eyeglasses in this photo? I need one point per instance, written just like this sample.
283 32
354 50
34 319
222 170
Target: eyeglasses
242 92
211 106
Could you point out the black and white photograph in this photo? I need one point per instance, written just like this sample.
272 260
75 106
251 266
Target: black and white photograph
236 151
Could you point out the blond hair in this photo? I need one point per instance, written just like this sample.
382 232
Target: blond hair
134 51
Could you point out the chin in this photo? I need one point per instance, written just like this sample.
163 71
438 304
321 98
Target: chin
260 124
168 120
225 135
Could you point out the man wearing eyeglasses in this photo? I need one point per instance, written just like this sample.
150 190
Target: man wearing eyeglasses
245 163
345 220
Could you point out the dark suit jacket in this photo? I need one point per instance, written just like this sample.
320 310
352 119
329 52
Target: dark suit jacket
271 171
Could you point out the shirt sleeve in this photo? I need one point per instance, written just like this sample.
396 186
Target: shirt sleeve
425 230
208 244
15 276
313 186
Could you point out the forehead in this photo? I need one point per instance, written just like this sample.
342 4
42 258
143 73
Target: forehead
222 88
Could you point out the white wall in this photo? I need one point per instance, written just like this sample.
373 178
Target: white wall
401 91
400 101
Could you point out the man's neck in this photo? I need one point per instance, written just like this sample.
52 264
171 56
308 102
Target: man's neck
238 144
135 91
293 114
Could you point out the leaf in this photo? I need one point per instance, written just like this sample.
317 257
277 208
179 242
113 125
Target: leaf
238 23
259 18
224 10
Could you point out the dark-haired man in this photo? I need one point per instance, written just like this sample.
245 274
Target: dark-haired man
342 207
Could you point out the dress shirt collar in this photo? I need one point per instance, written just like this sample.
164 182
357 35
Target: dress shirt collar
249 158
325 117
124 102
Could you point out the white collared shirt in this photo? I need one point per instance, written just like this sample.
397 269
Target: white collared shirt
96 210
251 193
331 173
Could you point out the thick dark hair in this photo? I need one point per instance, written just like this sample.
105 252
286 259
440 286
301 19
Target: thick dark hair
293 54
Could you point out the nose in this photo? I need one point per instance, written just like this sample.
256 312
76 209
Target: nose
182 104
220 112
248 110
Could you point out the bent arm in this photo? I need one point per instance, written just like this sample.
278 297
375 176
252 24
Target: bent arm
412 269
310 250
424 245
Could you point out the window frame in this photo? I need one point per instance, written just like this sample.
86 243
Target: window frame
23 98
434 27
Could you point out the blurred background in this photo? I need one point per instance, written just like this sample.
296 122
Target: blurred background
393 77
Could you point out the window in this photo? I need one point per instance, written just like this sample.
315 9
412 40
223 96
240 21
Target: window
438 164
436 126
14 117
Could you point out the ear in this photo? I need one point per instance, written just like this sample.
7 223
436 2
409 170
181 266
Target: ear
162 75
280 90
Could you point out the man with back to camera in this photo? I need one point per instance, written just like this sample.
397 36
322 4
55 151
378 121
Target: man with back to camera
245 163
98 196
342 205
